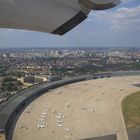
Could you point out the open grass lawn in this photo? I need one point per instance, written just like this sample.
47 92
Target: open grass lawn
131 110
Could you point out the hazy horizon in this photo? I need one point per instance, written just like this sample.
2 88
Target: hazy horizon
71 48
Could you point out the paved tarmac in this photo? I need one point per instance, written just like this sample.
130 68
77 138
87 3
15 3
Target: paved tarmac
88 109
134 134
109 137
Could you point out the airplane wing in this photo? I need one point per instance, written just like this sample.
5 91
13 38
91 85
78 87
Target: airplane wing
52 16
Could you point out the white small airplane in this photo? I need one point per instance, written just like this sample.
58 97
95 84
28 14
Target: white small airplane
44 114
52 16
41 126
41 120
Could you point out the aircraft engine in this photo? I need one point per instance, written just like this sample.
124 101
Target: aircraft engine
100 4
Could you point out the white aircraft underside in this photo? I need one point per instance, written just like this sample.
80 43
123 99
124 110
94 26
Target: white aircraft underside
52 16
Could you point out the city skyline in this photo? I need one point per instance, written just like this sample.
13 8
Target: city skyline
118 27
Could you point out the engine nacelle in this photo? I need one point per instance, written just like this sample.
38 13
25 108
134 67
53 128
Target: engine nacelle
100 4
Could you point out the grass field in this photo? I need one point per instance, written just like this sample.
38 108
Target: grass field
131 110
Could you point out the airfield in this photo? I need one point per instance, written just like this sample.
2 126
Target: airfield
78 111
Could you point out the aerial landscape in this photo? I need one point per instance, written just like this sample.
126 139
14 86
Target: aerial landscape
69 70
96 107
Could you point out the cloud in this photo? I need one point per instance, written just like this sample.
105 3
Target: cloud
120 19
126 1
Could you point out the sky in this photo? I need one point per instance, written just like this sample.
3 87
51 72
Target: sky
117 27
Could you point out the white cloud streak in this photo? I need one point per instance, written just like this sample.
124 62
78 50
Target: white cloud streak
123 18
127 1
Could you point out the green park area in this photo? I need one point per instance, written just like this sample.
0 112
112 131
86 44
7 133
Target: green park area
9 85
131 110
